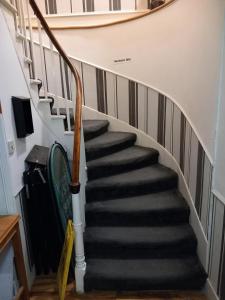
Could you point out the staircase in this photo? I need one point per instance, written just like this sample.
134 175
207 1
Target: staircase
138 235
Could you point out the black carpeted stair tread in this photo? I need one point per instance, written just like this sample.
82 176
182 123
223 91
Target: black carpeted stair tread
144 274
167 207
94 128
138 235
108 143
136 182
124 160
139 242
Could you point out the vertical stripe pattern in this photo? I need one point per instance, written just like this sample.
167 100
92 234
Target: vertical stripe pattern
200 176
101 91
88 5
77 6
51 7
216 268
158 116
133 103
221 285
114 4
161 119
182 141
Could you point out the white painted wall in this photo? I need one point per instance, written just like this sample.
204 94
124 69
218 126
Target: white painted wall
3 206
12 83
176 50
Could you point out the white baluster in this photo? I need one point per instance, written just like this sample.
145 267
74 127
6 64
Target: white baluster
43 70
24 31
80 267
19 23
71 97
14 3
31 40
54 78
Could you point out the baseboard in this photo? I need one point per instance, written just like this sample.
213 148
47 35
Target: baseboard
210 292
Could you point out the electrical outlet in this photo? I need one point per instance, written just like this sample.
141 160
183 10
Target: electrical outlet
11 147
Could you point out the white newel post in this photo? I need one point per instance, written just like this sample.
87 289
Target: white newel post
80 266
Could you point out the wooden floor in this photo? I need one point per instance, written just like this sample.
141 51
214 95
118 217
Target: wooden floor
45 288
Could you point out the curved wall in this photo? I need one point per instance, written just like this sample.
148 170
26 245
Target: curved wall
176 50
158 117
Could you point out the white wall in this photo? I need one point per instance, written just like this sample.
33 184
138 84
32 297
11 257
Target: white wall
3 206
176 50
12 83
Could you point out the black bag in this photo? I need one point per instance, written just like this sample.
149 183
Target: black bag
43 220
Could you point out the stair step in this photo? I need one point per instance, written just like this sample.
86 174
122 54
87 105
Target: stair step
27 60
137 234
45 100
35 81
108 143
63 111
136 182
140 242
94 128
144 274
163 208
122 161
58 117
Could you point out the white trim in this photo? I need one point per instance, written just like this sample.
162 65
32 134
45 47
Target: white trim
156 90
219 196
35 81
46 100
210 292
20 36
57 117
27 60
66 132
94 13
9 6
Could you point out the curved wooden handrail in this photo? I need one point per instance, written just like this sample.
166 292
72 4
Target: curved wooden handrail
75 184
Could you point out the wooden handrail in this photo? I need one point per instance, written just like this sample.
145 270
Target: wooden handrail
75 184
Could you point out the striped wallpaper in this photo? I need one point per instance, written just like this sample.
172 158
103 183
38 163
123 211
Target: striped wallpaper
73 6
216 267
159 117
82 6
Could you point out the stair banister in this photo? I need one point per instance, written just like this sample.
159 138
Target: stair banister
75 183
